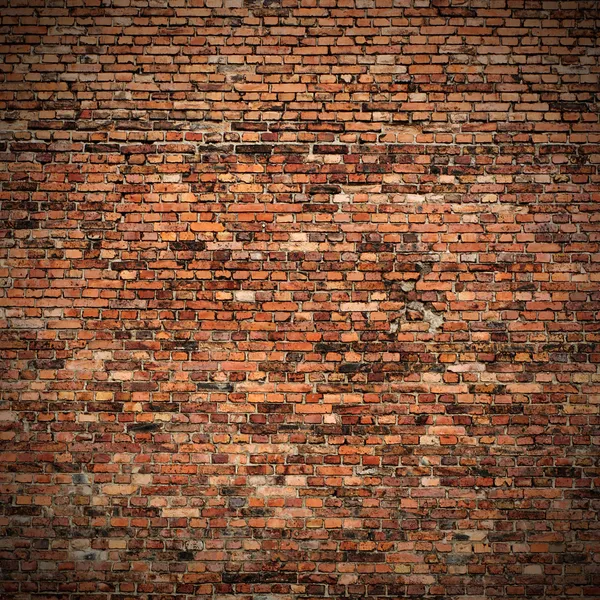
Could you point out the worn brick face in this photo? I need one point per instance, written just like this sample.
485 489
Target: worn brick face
299 299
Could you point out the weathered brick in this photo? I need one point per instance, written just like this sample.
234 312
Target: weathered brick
299 299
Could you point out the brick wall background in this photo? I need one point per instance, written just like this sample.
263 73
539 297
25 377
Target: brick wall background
299 299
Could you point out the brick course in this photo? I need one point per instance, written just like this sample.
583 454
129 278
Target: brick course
299 299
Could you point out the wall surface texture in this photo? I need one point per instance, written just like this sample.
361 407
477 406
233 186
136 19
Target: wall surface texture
299 299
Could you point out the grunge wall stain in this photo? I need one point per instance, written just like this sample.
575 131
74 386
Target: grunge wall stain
299 299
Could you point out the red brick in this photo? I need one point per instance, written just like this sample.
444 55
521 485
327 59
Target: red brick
299 299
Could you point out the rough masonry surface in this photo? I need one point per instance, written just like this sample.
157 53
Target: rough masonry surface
299 299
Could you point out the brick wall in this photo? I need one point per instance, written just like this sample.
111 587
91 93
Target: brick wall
299 299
